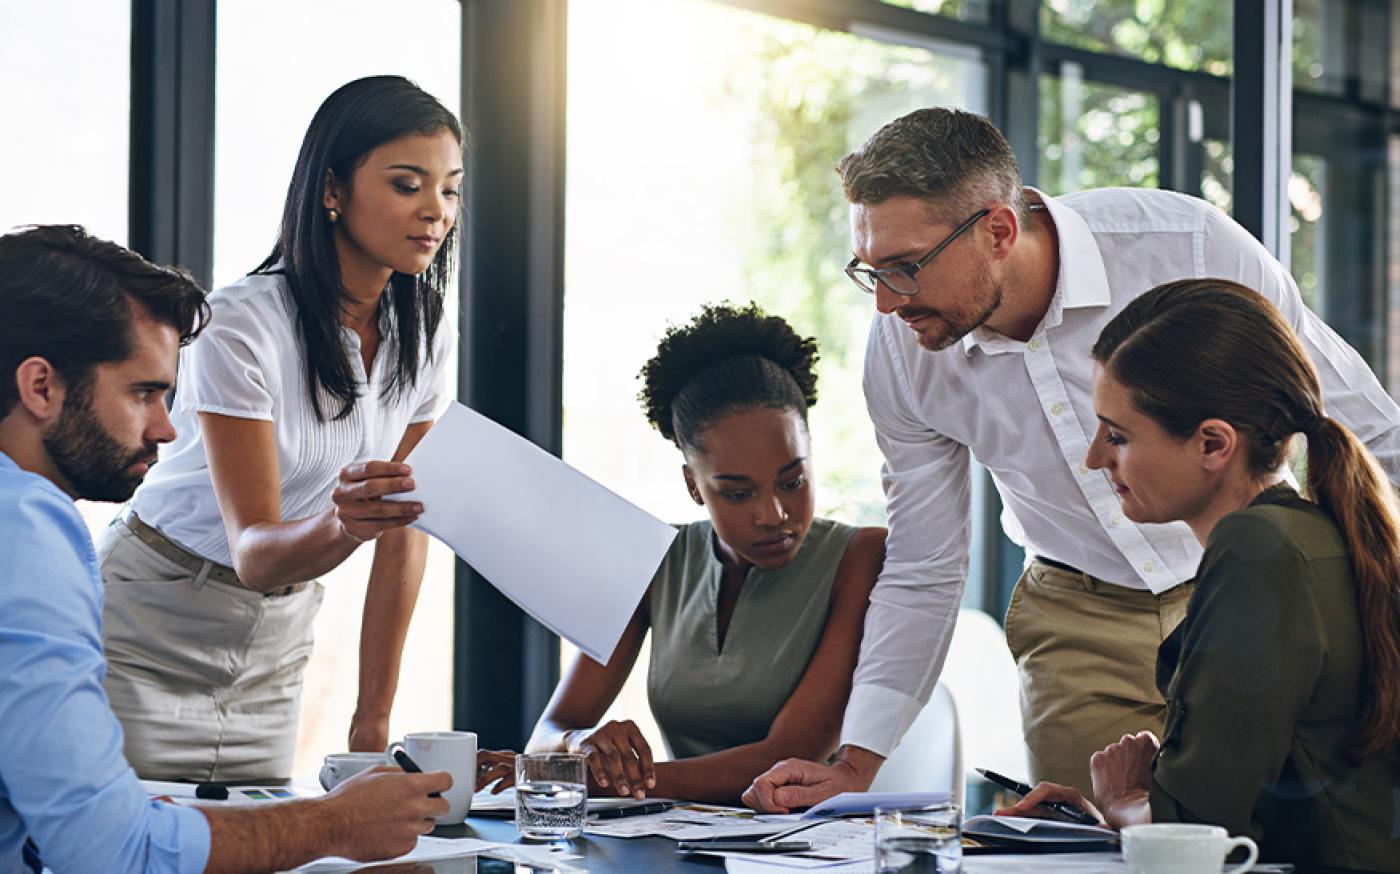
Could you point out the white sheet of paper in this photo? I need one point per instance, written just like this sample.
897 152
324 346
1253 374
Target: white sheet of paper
429 849
566 550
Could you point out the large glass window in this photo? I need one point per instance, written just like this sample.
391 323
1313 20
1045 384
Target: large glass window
1187 34
1095 136
65 66
64 133
700 170
277 62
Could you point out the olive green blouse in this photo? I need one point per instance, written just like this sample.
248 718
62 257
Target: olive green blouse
1264 682
706 699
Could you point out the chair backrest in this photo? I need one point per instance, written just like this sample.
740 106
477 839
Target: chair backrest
929 759
983 678
973 718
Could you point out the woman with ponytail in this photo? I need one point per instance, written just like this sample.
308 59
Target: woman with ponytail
1283 682
756 611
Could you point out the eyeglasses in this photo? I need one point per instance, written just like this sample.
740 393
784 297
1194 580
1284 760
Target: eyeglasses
904 279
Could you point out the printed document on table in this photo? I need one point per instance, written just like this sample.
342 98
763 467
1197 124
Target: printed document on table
566 550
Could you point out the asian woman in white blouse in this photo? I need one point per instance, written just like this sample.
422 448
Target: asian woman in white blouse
317 375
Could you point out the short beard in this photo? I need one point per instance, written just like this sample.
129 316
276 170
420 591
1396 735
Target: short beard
94 464
955 330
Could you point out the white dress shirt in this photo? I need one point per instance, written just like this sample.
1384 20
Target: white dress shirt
248 364
1025 411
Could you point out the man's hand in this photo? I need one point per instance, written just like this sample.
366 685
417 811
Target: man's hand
618 757
799 783
1030 805
380 813
368 734
1122 775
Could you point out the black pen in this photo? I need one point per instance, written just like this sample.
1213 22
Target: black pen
1069 810
411 767
633 810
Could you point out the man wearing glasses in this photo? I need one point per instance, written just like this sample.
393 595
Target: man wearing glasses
989 297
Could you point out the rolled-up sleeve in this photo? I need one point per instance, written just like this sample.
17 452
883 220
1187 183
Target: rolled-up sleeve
915 601
61 762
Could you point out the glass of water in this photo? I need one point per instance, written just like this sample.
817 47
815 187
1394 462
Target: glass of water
918 840
551 796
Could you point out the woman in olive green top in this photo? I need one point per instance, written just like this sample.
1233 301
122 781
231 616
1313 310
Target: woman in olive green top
756 612
1283 682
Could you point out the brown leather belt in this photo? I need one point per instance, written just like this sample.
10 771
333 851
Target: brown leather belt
196 565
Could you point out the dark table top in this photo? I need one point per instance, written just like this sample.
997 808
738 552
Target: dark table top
600 855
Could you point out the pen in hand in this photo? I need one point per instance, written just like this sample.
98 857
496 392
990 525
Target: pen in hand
406 762
1073 813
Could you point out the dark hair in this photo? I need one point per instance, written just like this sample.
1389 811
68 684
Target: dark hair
956 161
723 361
66 297
355 120
1245 365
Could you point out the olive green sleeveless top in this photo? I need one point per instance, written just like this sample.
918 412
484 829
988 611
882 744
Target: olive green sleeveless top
705 699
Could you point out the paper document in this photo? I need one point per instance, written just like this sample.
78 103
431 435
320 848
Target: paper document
857 803
429 849
1029 830
689 822
567 551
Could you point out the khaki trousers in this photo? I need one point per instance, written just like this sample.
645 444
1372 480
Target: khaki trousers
1086 651
205 676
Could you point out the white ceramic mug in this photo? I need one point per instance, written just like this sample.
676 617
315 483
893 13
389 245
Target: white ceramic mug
450 751
1179 848
339 767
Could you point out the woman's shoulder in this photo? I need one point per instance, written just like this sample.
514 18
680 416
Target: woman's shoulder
257 295
1281 526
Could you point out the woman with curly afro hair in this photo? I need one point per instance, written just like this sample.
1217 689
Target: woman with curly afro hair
757 610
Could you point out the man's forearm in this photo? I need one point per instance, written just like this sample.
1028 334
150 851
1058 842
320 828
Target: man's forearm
273 838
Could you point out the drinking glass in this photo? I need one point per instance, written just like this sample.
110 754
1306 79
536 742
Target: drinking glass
551 796
918 840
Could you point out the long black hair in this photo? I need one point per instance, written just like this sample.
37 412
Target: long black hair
355 120
725 360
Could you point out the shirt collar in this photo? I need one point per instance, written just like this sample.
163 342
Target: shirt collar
1079 259
7 463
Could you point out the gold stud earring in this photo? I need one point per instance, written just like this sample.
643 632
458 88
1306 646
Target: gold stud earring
333 214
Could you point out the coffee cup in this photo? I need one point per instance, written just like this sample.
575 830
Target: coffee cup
1180 848
450 751
339 767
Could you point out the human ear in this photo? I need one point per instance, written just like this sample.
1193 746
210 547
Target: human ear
1218 442
691 486
41 390
1005 227
330 191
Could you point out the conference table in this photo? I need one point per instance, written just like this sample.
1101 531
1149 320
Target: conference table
600 855
604 855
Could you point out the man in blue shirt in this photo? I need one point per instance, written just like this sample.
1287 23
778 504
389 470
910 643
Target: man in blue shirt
88 344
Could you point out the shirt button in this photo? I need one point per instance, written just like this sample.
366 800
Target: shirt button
1083 469
1114 520
1034 345
1057 409
1149 566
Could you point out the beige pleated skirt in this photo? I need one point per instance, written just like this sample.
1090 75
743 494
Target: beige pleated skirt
204 675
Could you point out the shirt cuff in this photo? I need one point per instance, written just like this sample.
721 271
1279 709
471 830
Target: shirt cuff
877 718
187 836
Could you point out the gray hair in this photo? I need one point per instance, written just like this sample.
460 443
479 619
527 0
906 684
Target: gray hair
956 161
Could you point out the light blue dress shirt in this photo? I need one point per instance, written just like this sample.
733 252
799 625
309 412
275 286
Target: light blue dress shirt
64 782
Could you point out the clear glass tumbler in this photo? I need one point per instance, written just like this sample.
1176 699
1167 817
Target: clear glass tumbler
551 796
919 840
